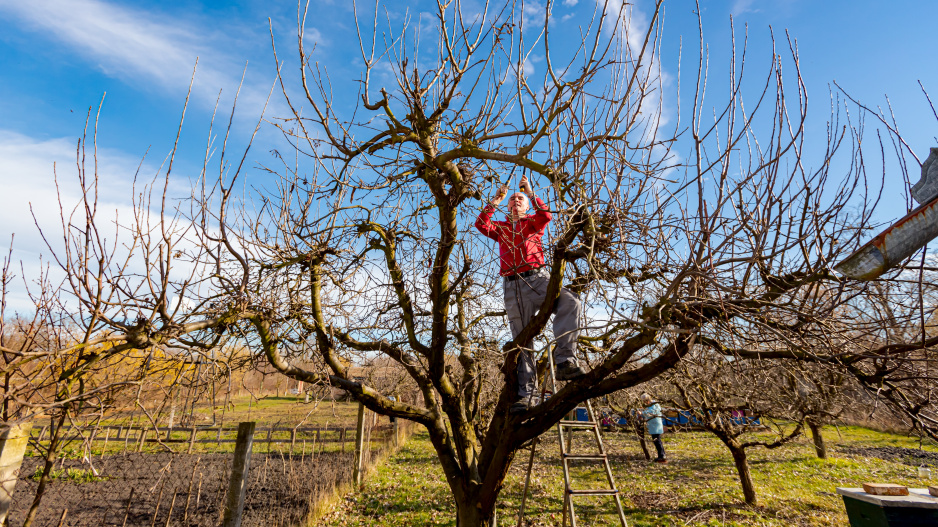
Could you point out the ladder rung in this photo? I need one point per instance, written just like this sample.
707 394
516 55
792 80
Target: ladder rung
593 492
578 424
593 457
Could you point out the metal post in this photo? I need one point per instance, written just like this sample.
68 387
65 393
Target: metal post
359 445
237 484
13 441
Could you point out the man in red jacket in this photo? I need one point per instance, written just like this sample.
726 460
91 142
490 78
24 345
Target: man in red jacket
525 278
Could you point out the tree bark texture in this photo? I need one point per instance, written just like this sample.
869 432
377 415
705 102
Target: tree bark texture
819 447
745 477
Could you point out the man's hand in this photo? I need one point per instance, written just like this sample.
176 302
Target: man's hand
526 186
502 192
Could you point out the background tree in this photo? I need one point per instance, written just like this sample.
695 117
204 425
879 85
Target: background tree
816 396
109 324
717 396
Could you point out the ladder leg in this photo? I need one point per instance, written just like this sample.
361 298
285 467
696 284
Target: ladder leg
570 508
566 445
527 482
602 450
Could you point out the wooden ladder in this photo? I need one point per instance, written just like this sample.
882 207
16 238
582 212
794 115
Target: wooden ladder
566 456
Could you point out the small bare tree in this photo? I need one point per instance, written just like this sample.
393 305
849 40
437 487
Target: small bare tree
717 394
814 395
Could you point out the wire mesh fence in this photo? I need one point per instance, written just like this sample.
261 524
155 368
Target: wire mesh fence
127 475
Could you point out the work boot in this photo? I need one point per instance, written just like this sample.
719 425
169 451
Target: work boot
523 404
569 370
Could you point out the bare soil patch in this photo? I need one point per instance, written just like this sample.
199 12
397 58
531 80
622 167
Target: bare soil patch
142 487
907 456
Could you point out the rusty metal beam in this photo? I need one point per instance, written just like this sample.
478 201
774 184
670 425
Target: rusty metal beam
893 245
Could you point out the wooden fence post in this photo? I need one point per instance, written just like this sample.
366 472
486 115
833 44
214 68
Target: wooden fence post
143 438
191 440
237 484
13 441
107 435
359 444
126 438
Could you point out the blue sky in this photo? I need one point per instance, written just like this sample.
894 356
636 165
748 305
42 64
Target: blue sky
59 57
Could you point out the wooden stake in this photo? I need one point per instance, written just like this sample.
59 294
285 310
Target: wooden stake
127 510
169 515
198 494
237 484
359 446
185 515
143 437
191 440
158 500
107 435
62 519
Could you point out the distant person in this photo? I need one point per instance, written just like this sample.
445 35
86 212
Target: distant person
654 425
521 258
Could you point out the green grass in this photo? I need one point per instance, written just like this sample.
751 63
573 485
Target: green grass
287 409
283 412
699 487
75 475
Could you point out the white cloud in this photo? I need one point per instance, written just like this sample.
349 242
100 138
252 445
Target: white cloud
141 48
28 169
742 6
532 14
570 3
631 23
528 67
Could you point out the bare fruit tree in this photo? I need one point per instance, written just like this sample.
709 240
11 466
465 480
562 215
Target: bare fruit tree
109 326
366 247
352 260
725 399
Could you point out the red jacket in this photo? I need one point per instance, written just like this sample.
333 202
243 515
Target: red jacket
519 245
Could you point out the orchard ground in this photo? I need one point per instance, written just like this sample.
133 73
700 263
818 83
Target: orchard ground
699 487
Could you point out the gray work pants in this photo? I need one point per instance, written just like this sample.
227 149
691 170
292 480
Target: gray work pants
523 296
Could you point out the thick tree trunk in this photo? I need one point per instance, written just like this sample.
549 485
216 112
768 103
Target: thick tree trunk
475 498
819 445
641 441
471 515
745 477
